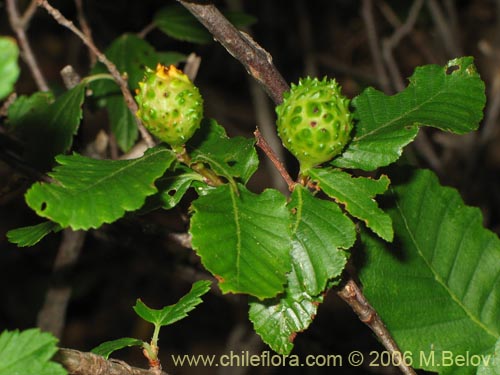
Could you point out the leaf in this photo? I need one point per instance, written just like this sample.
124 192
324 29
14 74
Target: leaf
171 58
173 187
178 23
29 236
356 194
491 364
122 122
9 68
228 157
108 347
87 193
320 231
28 353
35 120
173 313
278 320
439 290
450 98
131 55
243 239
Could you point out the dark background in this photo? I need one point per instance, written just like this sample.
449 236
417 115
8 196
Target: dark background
137 257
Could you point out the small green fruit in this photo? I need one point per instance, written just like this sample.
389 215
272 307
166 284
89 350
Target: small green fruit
170 105
314 121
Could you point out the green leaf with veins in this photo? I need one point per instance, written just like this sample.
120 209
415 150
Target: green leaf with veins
438 290
356 194
449 98
87 193
244 239
29 236
173 313
228 157
108 347
28 353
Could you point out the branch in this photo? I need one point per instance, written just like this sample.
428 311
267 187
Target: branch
353 296
121 82
264 146
256 60
84 363
19 26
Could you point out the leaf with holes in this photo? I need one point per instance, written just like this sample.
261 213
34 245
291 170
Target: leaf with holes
87 193
243 239
438 291
449 98
356 194
228 157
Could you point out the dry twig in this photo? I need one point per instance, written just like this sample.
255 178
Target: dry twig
19 24
119 79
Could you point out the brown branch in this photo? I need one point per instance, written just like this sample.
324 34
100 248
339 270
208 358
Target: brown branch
19 26
264 146
82 20
256 60
353 296
119 79
84 363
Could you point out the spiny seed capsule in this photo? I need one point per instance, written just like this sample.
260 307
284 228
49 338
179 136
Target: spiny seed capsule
170 105
314 121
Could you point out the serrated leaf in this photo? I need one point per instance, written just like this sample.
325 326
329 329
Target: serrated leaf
449 98
178 23
243 239
29 236
108 347
35 120
88 192
173 313
320 231
122 122
173 187
28 353
278 320
131 55
229 157
9 68
439 290
356 194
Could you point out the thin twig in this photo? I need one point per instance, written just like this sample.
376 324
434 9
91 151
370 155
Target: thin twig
119 79
28 13
146 30
391 43
19 26
82 20
264 146
353 296
84 363
371 30
256 60
449 41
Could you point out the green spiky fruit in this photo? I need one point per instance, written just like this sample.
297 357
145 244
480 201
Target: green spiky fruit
170 105
314 121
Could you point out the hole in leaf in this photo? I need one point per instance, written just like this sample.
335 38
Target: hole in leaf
452 69
43 206
231 163
172 192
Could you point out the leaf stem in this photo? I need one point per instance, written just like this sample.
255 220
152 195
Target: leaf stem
354 297
208 175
